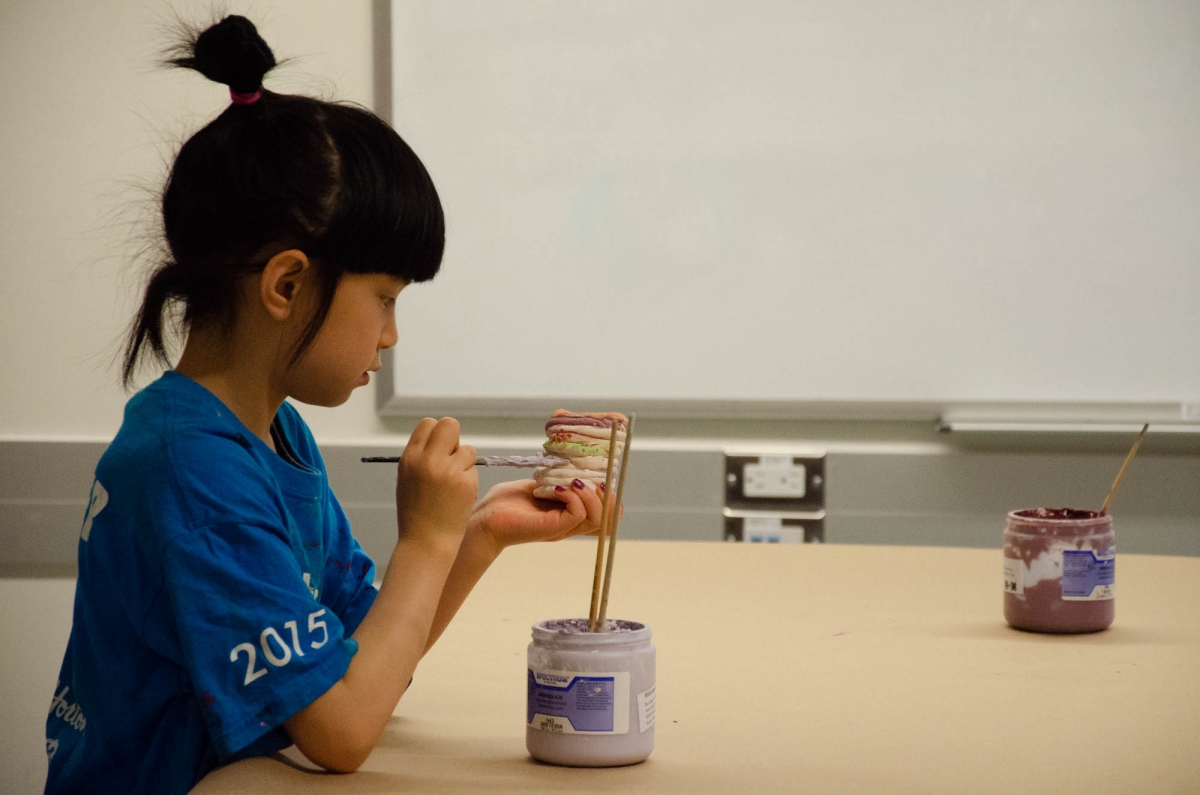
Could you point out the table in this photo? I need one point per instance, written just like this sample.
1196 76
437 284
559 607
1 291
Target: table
785 668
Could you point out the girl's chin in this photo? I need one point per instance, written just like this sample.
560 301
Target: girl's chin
326 400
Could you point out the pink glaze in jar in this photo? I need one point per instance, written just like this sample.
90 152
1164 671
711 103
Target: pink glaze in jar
1059 570
590 696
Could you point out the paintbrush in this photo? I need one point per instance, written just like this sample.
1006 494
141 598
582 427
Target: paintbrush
527 461
1113 491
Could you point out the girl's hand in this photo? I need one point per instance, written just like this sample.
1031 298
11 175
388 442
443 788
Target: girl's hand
436 483
510 514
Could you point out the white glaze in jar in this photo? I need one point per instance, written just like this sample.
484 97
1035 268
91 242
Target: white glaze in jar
590 700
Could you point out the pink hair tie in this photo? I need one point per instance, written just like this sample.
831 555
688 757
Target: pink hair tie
244 99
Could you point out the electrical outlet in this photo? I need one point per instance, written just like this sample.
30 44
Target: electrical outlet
760 527
774 476
779 484
770 530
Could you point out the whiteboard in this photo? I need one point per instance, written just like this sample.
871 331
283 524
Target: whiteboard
769 206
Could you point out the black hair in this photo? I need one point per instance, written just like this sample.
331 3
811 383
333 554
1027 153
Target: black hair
286 171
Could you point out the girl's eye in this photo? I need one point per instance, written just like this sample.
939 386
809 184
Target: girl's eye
388 302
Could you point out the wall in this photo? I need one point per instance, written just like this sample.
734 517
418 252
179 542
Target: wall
89 124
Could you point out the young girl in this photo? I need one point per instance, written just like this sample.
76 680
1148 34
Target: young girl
223 608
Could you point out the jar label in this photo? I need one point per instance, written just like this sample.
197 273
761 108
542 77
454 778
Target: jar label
646 708
571 702
1014 578
1088 577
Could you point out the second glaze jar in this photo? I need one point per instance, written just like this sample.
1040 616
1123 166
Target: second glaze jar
1059 570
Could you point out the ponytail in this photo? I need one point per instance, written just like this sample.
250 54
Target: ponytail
171 286
229 52
147 331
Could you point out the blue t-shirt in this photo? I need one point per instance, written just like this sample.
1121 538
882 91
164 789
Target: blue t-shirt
218 588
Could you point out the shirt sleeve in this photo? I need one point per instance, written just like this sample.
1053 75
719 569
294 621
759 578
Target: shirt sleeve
349 572
257 644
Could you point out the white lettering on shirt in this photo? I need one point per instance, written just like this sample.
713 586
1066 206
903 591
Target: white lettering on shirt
96 503
276 649
70 713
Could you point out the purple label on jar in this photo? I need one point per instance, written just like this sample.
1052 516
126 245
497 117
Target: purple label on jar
1088 577
571 703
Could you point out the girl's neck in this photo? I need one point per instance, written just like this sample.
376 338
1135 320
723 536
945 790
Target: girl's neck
239 381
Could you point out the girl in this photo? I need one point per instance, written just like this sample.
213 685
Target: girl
223 608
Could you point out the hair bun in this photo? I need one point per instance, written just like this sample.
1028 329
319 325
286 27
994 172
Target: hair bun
229 52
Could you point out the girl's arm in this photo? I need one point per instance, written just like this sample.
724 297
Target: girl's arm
509 515
436 486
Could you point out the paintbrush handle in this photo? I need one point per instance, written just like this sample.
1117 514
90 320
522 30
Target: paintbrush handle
526 461
1116 483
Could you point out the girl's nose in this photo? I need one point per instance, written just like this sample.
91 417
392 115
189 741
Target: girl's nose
389 336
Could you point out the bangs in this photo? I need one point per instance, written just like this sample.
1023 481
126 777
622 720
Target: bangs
385 215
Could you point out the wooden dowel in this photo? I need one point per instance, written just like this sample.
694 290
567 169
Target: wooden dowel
612 455
1133 451
616 523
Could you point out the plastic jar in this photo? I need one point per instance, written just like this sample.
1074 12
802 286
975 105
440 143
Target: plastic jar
591 694
1059 570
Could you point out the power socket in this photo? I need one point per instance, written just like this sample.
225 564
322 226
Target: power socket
770 530
761 527
774 476
775 483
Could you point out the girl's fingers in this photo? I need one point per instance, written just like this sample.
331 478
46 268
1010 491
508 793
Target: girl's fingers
464 457
612 511
444 437
572 499
593 505
594 500
420 435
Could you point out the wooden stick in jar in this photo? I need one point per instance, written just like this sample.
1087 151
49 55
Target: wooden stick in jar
612 455
1132 452
616 522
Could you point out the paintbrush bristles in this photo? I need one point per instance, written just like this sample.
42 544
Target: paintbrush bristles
612 455
1132 452
616 523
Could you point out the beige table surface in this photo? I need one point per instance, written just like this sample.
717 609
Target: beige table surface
808 668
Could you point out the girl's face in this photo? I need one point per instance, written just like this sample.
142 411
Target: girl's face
361 323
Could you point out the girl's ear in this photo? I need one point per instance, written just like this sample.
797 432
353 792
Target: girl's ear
280 282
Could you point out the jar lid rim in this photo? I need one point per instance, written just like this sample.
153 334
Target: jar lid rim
635 632
1082 517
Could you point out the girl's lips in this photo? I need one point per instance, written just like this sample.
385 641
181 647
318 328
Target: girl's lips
366 379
